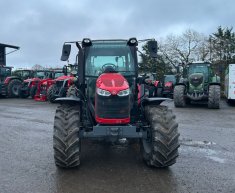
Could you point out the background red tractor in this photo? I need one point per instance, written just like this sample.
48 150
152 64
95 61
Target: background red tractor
45 83
29 86
105 103
60 85
8 85
14 81
153 86
168 85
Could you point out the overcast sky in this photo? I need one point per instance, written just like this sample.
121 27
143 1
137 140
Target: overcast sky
41 27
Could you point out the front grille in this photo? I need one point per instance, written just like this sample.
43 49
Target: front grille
112 107
59 83
196 79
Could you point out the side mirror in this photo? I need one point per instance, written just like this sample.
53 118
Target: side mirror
152 48
65 52
65 71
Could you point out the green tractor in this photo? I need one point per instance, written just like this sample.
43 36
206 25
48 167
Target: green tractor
198 83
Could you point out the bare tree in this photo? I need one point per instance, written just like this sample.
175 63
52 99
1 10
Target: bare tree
37 67
185 48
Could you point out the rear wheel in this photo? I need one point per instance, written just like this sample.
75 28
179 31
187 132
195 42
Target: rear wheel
66 141
51 93
214 97
32 91
179 99
160 149
13 88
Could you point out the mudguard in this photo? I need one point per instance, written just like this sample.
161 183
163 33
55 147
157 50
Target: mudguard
69 100
154 100
9 78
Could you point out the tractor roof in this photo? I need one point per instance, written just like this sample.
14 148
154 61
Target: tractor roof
9 46
199 62
132 41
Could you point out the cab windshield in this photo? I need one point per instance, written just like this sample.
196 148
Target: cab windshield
198 68
25 74
43 74
58 74
170 78
114 54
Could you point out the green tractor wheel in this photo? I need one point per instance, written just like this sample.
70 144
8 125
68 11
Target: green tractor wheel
179 99
214 97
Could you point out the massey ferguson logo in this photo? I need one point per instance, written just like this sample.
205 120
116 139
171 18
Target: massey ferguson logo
114 92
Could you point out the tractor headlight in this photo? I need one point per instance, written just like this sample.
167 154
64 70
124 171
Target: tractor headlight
102 92
124 92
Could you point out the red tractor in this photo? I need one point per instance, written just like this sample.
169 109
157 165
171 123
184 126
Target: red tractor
29 85
168 85
105 103
153 87
14 81
60 85
44 84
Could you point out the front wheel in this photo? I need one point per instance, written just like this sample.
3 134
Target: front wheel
51 93
32 91
160 149
66 140
179 99
214 97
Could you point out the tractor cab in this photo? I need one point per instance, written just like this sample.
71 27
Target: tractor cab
169 82
23 73
200 70
43 74
108 77
110 67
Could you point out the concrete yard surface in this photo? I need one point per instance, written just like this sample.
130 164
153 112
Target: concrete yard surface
206 161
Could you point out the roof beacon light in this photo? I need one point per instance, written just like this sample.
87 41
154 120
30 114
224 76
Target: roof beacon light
86 42
132 42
